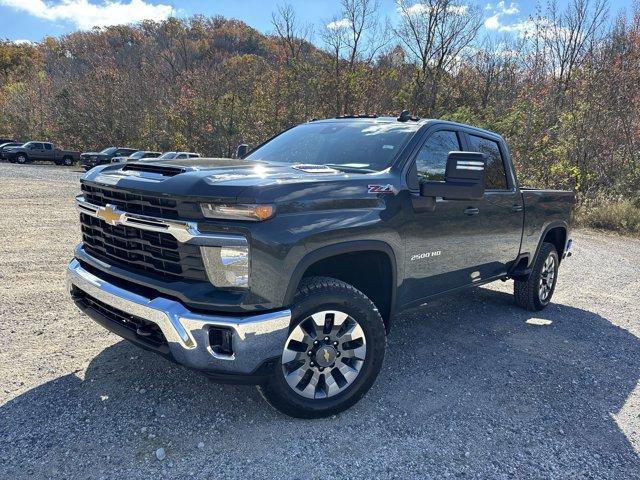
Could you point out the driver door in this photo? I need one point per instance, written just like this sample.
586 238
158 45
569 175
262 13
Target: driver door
443 246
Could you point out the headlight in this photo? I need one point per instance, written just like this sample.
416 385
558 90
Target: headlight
227 266
241 211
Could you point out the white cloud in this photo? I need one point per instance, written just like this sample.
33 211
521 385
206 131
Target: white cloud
22 41
493 22
523 29
540 27
421 8
338 24
500 9
503 9
85 14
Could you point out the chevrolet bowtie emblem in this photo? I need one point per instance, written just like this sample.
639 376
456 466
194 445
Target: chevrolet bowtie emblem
326 355
110 215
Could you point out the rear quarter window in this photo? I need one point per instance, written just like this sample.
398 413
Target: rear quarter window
495 175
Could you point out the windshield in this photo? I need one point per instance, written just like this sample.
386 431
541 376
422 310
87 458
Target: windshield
109 151
358 146
168 155
139 154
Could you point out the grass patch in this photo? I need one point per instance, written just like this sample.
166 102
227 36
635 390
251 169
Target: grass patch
620 216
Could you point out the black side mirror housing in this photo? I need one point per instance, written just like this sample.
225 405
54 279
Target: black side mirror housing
463 178
242 150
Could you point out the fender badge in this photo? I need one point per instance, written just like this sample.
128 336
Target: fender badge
386 189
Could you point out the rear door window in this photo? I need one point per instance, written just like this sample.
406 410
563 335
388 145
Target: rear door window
47 146
495 175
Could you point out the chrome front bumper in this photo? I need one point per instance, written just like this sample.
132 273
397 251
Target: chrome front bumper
255 339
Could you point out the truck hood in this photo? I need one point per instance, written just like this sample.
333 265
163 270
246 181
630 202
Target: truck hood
236 180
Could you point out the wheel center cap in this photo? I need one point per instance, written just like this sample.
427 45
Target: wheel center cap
326 356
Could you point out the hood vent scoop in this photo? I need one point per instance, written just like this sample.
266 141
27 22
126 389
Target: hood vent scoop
312 168
164 170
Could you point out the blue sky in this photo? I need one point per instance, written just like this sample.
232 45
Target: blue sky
34 19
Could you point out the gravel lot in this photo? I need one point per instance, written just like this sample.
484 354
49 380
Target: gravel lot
472 387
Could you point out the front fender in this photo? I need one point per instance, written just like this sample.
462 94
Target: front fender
339 249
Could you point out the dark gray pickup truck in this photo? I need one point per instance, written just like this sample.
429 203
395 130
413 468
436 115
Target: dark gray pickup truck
41 152
286 268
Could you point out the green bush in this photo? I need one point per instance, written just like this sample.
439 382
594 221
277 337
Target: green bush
620 216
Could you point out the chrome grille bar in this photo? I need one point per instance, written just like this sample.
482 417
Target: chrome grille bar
184 232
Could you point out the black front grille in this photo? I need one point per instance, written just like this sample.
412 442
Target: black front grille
149 205
147 331
149 253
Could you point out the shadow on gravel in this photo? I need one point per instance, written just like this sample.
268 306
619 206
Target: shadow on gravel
468 387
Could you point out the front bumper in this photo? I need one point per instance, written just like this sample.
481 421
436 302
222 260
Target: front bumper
256 339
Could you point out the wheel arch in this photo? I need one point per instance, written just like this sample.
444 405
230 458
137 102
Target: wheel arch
345 262
555 233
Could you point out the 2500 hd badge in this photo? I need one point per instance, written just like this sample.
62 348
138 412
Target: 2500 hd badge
422 256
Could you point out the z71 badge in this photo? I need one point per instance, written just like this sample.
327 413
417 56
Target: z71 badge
381 189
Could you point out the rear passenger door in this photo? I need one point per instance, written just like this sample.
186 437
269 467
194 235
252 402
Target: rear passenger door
47 152
500 212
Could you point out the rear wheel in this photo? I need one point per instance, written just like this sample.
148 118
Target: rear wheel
333 353
535 292
67 161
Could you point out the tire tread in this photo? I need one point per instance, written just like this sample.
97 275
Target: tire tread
525 291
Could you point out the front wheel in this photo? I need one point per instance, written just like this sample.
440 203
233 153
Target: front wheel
333 353
535 292
21 159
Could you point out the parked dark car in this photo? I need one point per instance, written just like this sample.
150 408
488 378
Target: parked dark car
41 151
6 140
287 268
139 155
178 155
7 145
91 159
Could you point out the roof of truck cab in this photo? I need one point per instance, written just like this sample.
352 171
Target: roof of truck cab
418 123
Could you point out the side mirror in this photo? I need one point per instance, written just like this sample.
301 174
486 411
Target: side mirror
463 178
242 150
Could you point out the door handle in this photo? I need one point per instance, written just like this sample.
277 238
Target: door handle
471 211
517 208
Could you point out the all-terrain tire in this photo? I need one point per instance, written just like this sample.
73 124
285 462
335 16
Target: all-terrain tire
536 291
317 295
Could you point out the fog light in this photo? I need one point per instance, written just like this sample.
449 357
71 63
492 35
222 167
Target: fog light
227 266
220 340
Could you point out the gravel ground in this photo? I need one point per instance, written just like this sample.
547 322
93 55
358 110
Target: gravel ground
472 387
